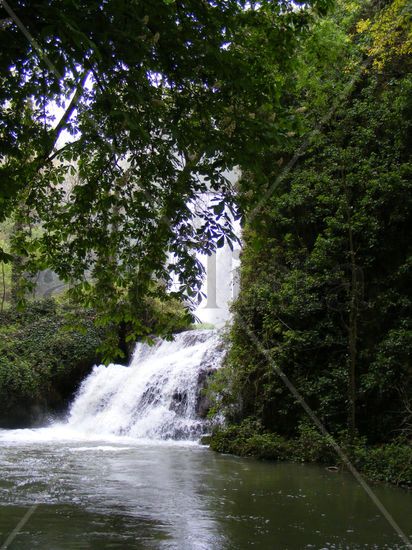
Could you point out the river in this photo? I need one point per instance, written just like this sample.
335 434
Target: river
123 470
121 494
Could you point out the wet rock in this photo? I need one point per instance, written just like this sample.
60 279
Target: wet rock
179 402
203 402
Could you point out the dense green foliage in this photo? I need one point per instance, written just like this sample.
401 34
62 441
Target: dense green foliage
156 314
42 361
157 99
326 267
390 462
250 439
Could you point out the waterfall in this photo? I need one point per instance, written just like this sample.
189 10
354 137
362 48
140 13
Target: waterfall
159 396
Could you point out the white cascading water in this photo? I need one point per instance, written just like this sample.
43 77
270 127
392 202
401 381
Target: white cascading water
160 395
157 397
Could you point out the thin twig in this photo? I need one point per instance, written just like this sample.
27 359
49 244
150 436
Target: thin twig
4 286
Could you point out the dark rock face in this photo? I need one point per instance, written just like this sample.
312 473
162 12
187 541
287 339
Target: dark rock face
203 403
21 411
24 414
179 403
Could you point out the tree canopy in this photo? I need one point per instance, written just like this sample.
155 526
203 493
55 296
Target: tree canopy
156 101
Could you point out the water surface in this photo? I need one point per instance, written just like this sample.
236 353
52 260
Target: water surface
118 493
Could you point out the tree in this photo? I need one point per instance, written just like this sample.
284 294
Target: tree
159 99
326 266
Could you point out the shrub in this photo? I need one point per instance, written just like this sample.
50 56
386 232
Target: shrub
391 462
248 439
42 361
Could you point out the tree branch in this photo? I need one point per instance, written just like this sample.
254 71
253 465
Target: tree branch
3 299
58 151
66 116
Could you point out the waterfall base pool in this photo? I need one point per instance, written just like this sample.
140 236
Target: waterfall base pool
119 494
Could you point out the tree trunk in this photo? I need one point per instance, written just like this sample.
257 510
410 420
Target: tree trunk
352 324
3 298
16 272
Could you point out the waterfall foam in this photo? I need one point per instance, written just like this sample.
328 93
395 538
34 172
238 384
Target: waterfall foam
157 397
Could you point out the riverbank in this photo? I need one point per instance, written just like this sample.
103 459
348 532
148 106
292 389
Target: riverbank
389 462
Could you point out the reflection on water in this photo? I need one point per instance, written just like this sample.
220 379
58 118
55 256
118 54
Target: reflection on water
124 495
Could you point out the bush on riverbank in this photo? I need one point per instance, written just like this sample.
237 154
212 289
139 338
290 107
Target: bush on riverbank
325 304
389 462
42 362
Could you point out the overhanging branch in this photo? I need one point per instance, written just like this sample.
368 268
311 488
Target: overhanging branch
54 136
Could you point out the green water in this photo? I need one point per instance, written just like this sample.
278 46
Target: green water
122 495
